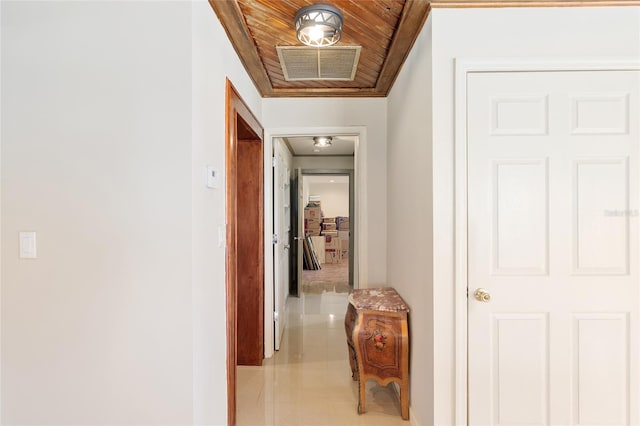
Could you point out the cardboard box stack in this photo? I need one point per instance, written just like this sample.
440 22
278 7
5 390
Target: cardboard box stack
344 249
329 226
312 218
331 249
342 223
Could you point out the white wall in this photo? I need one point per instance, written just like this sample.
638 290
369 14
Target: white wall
334 196
1 213
597 32
110 111
323 163
370 113
410 213
333 192
213 60
337 162
96 159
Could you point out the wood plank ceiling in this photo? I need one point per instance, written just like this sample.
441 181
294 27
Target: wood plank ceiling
385 29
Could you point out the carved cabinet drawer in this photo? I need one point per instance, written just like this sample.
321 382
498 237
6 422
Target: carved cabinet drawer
378 341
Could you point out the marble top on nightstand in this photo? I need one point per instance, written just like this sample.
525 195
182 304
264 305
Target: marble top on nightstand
384 299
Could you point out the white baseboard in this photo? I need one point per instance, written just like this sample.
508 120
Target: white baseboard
412 416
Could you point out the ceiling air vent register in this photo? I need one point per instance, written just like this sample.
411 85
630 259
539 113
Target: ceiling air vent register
311 63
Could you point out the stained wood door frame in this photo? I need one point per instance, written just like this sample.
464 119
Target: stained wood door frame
462 68
236 110
360 252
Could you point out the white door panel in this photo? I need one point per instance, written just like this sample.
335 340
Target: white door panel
553 237
282 227
299 233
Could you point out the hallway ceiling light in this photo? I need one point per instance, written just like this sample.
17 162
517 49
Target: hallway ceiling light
318 25
322 141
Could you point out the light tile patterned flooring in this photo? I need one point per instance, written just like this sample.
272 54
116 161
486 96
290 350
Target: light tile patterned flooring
308 382
332 277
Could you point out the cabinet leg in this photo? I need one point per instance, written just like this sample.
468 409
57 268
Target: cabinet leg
353 362
361 395
404 400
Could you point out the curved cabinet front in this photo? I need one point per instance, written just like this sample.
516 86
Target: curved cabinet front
378 341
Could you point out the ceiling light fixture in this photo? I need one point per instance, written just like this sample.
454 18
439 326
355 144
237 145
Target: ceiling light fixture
322 141
318 25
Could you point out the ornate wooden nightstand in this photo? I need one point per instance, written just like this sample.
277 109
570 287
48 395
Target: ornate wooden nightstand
378 341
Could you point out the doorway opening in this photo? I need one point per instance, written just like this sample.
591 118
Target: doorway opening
351 164
294 232
328 206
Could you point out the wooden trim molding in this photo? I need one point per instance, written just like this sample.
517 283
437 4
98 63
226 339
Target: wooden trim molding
233 22
231 189
235 108
413 17
322 92
530 3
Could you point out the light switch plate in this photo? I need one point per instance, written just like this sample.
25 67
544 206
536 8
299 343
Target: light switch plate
213 178
28 245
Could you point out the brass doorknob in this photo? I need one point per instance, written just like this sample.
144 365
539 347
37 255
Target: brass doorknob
482 295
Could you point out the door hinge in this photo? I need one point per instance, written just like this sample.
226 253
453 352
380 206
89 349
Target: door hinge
274 239
273 161
275 316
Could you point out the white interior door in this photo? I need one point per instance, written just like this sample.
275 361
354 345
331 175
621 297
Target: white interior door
553 238
299 232
282 225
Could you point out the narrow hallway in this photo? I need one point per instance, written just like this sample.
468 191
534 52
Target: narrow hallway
308 382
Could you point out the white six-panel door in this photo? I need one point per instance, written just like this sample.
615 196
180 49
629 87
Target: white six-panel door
553 236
